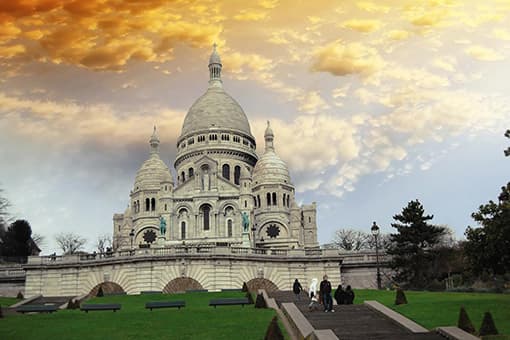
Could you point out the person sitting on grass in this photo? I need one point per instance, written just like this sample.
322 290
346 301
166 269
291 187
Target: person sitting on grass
340 295
349 295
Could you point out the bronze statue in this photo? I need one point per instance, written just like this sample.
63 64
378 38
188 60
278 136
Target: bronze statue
246 221
162 225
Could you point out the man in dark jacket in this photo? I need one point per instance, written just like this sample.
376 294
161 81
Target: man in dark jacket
297 288
325 289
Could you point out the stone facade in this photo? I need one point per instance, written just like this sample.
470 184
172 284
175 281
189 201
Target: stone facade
220 178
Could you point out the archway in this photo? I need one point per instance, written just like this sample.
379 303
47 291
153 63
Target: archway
182 284
260 283
108 288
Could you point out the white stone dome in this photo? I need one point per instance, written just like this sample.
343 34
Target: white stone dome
152 173
215 109
270 168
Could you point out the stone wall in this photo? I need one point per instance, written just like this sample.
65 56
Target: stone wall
154 270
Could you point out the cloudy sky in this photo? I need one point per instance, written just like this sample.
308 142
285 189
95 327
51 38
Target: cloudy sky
373 103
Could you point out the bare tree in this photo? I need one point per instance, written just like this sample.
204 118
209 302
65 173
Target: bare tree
349 239
70 243
4 215
383 241
103 242
39 240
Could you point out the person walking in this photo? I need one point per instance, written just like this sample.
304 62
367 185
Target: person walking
340 295
325 289
297 289
349 295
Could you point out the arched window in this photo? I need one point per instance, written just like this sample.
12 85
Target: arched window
274 198
237 174
206 211
183 176
183 230
147 204
153 204
268 198
245 203
137 206
225 171
165 207
258 201
288 205
229 228
284 203
255 201
190 172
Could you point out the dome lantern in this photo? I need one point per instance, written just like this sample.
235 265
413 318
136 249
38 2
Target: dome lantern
154 142
269 137
215 68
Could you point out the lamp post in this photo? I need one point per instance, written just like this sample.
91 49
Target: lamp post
132 236
375 232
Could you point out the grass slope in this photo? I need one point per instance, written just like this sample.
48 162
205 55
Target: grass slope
7 301
195 321
436 309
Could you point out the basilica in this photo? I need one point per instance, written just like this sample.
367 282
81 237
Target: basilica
225 194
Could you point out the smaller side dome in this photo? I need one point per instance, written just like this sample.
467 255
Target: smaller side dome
153 171
270 168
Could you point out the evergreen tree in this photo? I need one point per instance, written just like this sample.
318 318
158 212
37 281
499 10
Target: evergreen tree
245 287
488 327
16 240
260 302
400 298
487 246
464 322
273 331
412 246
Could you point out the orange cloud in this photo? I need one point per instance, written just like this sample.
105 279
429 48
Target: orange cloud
363 25
103 34
341 59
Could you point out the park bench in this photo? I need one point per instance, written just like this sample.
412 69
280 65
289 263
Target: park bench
228 302
100 306
165 304
143 292
36 309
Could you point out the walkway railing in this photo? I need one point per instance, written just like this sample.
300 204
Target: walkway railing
207 249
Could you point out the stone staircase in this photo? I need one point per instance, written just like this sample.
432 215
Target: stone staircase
353 322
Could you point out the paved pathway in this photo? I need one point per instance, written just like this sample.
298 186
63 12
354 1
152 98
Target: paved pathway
353 322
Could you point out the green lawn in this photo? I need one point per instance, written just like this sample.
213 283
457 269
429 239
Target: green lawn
7 301
435 309
196 321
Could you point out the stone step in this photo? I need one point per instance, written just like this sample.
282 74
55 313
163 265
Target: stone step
352 322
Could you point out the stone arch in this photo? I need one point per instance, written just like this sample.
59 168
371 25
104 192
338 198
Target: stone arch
261 283
225 205
108 287
181 284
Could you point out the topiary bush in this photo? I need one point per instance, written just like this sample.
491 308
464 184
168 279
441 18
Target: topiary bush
20 296
250 298
260 302
401 297
488 327
464 322
245 287
273 331
100 292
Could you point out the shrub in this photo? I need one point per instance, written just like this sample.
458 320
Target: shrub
245 287
20 296
464 322
401 297
273 331
488 327
260 302
1 314
250 298
100 292
73 304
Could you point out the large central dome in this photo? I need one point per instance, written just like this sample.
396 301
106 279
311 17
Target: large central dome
215 109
